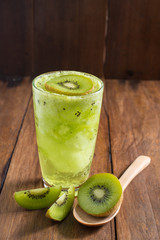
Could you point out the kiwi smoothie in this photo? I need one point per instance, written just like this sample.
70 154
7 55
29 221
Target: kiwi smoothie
67 107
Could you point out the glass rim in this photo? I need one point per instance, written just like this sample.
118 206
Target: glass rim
71 96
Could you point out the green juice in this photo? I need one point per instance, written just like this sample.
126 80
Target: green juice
66 129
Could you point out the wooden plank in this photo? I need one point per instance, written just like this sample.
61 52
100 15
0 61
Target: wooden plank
101 160
14 97
24 173
132 44
16 24
69 35
133 109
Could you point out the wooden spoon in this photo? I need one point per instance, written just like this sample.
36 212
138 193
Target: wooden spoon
132 171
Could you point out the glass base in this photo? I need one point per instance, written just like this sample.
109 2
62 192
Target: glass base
63 189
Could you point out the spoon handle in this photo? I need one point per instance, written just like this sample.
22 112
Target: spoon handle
134 169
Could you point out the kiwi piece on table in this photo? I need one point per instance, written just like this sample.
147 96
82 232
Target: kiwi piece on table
37 198
100 195
61 208
70 85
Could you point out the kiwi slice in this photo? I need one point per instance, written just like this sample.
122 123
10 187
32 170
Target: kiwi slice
70 85
37 198
100 194
60 209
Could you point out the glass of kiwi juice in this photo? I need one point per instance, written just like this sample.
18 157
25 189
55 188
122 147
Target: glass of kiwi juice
67 107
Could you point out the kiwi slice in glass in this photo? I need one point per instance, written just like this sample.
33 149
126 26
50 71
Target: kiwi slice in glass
37 198
70 85
60 209
100 195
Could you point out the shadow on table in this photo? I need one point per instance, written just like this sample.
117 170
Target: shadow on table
35 224
7 199
71 229
26 222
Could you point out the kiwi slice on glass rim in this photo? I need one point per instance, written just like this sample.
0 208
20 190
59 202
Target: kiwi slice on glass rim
70 85
61 208
37 198
100 195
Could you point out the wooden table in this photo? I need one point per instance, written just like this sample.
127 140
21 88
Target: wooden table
129 126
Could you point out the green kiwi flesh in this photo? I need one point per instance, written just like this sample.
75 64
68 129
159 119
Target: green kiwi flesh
60 209
70 85
100 194
37 198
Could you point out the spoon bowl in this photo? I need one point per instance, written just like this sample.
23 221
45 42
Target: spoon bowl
133 170
90 220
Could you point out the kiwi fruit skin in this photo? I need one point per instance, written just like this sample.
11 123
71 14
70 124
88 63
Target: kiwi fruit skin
114 195
61 208
63 85
37 198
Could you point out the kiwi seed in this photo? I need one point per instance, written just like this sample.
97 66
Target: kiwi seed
72 85
78 113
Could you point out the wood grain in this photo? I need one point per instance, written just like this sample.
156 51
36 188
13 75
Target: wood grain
101 162
13 103
132 44
16 24
133 109
24 173
38 36
69 35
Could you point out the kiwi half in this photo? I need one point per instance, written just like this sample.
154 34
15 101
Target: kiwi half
100 194
37 198
70 85
60 209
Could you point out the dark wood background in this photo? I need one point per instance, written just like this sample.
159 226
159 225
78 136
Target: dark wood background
117 39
